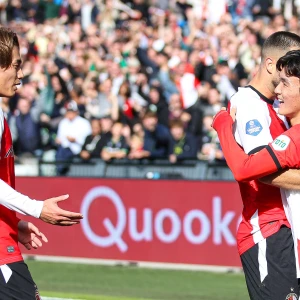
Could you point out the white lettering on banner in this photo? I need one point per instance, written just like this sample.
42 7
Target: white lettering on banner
218 226
188 230
159 225
146 233
221 225
115 237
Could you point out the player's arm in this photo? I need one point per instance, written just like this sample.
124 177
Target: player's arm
288 179
283 151
243 166
48 210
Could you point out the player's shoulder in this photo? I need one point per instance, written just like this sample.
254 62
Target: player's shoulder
288 139
293 133
246 97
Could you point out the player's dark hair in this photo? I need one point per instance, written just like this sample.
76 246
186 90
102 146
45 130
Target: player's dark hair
8 39
280 40
290 62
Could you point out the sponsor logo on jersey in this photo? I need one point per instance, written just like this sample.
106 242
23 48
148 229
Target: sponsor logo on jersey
253 127
10 249
281 143
291 296
10 152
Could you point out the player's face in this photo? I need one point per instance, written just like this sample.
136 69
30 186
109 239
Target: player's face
11 77
288 95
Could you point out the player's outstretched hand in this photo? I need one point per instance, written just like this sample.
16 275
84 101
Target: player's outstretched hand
30 236
53 214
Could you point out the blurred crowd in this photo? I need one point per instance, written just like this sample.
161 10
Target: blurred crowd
133 79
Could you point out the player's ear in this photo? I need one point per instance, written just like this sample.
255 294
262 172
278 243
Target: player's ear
270 65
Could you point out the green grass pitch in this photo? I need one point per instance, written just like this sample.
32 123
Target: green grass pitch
95 282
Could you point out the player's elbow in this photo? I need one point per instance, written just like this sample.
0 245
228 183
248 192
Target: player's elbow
240 175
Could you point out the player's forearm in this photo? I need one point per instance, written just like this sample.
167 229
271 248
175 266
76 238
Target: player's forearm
244 167
18 202
288 179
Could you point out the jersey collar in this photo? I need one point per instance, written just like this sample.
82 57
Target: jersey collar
264 98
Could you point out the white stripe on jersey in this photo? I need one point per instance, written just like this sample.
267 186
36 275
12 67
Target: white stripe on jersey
254 221
6 272
291 203
262 259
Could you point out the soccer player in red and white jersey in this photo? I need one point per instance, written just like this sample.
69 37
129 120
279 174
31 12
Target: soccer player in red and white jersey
282 153
264 237
15 279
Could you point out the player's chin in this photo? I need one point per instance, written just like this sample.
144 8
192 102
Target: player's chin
10 93
282 111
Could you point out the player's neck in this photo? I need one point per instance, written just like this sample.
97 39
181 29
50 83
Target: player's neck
295 120
260 83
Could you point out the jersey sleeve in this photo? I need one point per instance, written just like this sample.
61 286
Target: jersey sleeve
243 166
252 120
285 149
18 202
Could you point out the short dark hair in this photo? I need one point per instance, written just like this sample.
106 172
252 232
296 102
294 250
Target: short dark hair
290 62
281 40
149 114
8 39
176 123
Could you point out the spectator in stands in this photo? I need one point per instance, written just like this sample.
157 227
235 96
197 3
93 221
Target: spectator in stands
119 59
106 124
224 80
71 134
176 111
262 9
115 147
94 142
25 128
126 104
158 105
214 102
138 130
137 148
211 149
53 97
106 102
89 13
182 145
157 136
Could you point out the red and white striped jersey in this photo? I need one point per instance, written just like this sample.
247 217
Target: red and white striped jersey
9 249
257 124
286 148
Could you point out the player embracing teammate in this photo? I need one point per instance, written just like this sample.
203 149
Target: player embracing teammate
264 237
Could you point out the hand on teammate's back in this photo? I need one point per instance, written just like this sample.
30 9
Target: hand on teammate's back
53 214
223 116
